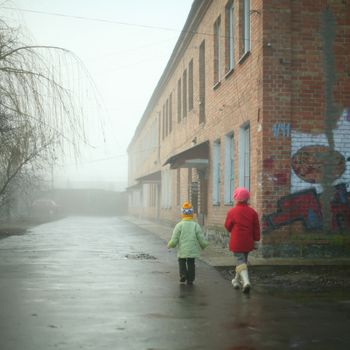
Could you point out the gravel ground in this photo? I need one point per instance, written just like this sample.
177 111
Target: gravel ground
303 282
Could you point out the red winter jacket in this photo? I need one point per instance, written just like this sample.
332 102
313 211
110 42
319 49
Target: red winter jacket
243 224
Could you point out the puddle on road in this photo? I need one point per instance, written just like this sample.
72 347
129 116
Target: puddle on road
140 256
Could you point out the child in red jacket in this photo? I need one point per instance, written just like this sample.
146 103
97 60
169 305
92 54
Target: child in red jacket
243 224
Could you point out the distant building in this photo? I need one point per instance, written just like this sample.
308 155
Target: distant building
117 186
256 94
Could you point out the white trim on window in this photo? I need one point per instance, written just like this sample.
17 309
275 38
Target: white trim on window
216 173
244 157
217 50
166 189
229 169
246 26
230 36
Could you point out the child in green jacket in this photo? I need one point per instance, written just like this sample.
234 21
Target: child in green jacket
189 239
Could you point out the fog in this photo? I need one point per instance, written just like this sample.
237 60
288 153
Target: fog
123 48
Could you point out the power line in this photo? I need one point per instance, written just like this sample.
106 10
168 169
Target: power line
94 19
103 20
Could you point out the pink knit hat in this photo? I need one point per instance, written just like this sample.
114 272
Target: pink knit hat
240 194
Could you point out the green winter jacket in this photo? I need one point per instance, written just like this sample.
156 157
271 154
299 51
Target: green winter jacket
189 239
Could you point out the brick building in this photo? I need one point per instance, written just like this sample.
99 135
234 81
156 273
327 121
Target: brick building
256 94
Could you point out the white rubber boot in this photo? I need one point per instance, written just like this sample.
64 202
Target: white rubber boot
235 281
243 273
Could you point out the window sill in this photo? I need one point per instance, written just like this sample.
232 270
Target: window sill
228 204
216 85
216 204
244 57
229 73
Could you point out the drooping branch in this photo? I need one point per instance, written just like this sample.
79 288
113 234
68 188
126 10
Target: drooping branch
41 115
30 47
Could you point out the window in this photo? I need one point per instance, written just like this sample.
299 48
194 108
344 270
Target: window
245 27
145 195
244 157
190 85
229 168
160 131
153 136
179 94
216 173
184 94
170 113
165 121
217 50
202 82
166 189
178 187
230 37
163 124
167 116
153 195
189 181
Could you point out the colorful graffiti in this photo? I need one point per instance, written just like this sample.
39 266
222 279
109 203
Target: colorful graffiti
309 163
305 206
281 128
310 156
311 152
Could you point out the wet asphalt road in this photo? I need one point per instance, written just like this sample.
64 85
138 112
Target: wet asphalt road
103 283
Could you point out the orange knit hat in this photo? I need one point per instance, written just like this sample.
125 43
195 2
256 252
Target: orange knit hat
187 210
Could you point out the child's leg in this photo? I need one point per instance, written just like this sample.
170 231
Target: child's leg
241 258
183 269
242 270
191 269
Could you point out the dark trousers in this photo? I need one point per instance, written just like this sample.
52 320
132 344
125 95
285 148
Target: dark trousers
187 269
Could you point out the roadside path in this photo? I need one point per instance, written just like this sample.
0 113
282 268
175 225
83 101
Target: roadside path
106 283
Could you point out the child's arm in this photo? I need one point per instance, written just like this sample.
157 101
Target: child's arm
228 222
174 241
200 237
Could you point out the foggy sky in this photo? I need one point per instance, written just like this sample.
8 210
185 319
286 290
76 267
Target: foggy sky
124 46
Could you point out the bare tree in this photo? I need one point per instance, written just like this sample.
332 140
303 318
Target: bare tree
38 109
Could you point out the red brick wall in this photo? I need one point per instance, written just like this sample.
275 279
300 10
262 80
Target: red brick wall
292 88
306 86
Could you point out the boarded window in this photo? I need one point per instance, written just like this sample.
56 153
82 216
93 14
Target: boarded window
217 50
244 26
244 157
230 37
202 82
190 86
179 97
229 169
184 94
216 173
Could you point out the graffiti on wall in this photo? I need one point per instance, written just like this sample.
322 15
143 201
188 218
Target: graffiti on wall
305 206
310 154
320 163
281 129
309 162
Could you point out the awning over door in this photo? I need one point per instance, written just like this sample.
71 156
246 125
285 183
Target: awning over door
133 187
150 178
194 157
